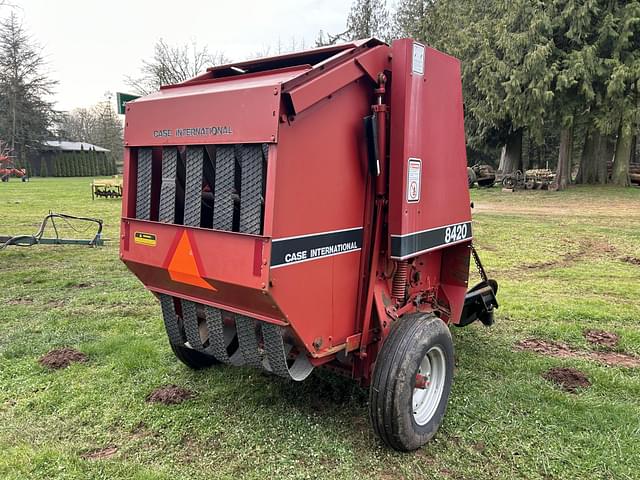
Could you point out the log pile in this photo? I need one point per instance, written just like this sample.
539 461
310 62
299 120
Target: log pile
634 172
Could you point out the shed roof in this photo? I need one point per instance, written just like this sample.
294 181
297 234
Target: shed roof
72 146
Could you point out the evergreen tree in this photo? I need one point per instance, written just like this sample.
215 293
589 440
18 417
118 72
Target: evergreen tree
43 168
26 112
368 18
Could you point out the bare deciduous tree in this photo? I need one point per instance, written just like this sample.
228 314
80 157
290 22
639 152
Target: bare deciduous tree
99 125
173 64
325 38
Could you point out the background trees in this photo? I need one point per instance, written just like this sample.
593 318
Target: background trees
173 64
26 113
545 82
99 125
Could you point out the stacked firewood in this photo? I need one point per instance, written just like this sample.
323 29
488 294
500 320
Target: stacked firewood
634 172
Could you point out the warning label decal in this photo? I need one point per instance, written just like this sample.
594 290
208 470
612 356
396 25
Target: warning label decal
414 175
148 239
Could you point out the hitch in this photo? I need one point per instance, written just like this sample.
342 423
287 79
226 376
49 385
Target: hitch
480 303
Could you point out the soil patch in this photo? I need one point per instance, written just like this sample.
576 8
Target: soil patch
101 453
562 350
20 301
568 379
631 260
602 338
169 395
62 358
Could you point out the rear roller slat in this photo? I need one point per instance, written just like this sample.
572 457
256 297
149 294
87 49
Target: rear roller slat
247 341
250 188
193 188
218 341
171 320
223 190
190 323
168 187
277 353
143 187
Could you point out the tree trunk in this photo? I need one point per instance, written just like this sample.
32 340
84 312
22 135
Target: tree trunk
588 172
511 159
563 172
620 174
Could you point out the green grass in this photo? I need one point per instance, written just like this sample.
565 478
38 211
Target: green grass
560 261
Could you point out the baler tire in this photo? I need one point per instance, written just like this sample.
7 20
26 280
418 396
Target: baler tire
392 388
192 358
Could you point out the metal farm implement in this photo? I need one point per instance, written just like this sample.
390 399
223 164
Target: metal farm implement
312 209
54 238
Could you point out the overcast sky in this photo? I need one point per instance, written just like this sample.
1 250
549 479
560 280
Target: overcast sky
92 45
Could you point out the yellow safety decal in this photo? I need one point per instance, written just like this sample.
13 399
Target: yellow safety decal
148 239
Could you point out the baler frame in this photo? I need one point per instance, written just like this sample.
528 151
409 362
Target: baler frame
214 225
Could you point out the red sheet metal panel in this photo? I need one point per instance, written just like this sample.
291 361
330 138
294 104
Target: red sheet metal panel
235 110
318 217
429 197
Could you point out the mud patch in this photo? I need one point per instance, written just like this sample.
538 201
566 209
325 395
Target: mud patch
20 301
602 338
101 453
631 260
568 379
562 350
62 358
169 395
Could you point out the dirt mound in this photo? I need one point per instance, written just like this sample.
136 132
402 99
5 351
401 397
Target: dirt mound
62 358
602 338
569 379
562 350
631 260
169 395
101 453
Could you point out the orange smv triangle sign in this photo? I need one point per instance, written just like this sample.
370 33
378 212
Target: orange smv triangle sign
183 268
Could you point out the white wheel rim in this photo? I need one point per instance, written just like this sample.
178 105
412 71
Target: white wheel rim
425 401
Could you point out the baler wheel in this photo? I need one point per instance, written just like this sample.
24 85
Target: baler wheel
192 358
412 381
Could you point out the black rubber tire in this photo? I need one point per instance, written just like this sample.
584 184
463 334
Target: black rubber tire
394 377
471 177
192 358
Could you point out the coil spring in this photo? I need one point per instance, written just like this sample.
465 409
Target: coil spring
400 279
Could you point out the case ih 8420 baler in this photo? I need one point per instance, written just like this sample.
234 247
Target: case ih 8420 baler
312 210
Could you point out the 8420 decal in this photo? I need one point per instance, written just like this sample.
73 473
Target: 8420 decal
455 233
411 244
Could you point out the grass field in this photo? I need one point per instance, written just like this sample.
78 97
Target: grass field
566 262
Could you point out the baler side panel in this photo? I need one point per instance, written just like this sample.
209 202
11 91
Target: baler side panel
427 125
320 188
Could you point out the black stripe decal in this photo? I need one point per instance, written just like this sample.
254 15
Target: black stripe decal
287 251
408 245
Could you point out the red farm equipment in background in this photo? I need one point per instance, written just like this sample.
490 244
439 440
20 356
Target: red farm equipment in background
7 167
312 209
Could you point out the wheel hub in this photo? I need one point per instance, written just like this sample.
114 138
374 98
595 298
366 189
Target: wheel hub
429 386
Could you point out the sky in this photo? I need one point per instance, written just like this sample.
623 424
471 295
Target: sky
91 45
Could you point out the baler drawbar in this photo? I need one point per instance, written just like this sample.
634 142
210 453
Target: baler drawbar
312 209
